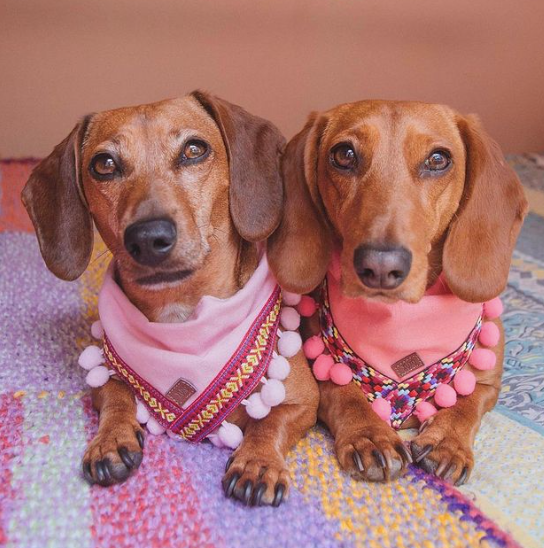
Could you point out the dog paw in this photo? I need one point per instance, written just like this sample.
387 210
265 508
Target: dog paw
443 452
113 455
256 481
374 453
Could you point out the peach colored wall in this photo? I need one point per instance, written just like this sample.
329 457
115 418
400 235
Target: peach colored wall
60 59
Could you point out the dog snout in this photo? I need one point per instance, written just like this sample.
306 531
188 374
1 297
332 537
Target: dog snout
382 267
150 242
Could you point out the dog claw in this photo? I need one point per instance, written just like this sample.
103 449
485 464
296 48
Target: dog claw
420 456
229 462
229 489
258 494
141 438
87 473
358 461
462 477
126 457
278 497
380 459
405 454
444 464
248 489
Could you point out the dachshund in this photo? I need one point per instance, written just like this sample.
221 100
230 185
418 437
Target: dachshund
182 192
405 195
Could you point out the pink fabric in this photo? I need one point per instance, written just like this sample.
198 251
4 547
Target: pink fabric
381 334
195 350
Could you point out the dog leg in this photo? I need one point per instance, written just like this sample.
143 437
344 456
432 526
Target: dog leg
116 450
444 444
257 472
365 445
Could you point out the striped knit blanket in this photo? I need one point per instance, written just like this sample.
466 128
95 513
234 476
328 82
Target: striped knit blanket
175 499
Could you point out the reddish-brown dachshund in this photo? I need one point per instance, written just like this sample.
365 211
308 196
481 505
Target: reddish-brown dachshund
209 172
400 176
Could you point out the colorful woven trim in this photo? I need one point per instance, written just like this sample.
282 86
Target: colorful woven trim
235 381
405 395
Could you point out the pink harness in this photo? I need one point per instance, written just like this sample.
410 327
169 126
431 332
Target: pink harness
402 354
189 377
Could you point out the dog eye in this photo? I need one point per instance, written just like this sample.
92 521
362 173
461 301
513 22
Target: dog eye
343 156
104 167
438 160
194 151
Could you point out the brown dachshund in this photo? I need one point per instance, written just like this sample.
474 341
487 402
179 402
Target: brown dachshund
201 176
430 191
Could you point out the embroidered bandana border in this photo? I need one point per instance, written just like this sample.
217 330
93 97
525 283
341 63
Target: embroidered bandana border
234 382
403 395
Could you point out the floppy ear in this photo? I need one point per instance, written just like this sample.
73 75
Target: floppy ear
300 250
481 239
54 199
254 146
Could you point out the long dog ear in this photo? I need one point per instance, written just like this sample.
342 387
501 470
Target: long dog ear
53 197
481 239
300 250
254 146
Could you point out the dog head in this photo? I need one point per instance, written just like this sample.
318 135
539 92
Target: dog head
404 190
160 181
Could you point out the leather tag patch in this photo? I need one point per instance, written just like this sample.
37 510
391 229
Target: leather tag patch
181 392
407 364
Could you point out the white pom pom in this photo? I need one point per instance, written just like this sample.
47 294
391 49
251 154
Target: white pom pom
98 376
289 318
154 427
142 412
216 440
279 368
289 344
273 393
97 331
291 299
230 435
91 357
255 407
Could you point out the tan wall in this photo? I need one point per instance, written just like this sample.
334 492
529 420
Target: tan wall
60 59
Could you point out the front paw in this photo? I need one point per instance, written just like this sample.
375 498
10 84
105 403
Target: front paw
256 480
373 452
113 454
441 450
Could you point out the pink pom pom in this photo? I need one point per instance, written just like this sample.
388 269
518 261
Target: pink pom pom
91 357
289 344
97 331
273 392
98 376
493 308
216 440
289 318
483 359
382 408
142 412
489 334
291 299
322 367
424 410
464 382
341 374
255 407
307 306
230 435
279 368
155 427
445 396
313 347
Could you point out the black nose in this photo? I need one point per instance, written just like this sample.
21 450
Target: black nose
150 242
382 267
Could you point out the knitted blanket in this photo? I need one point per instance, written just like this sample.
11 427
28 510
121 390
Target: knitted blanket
175 498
